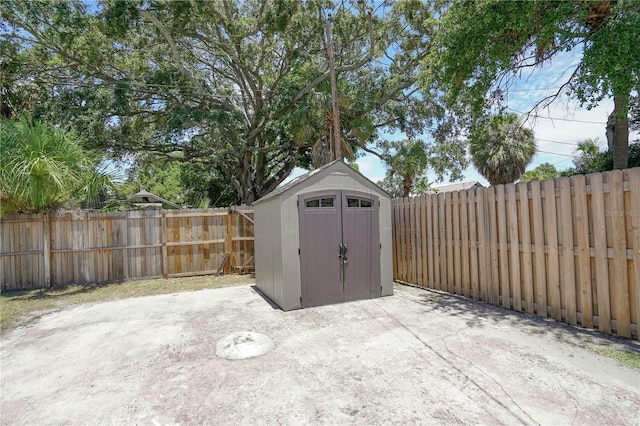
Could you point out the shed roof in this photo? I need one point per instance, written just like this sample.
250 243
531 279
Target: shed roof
143 196
326 169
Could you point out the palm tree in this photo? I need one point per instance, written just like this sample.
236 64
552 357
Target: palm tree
312 125
40 166
586 151
407 159
501 149
98 183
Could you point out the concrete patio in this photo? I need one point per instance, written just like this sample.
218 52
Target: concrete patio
418 357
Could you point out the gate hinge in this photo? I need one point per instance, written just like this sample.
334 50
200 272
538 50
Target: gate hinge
380 246
298 203
298 250
301 300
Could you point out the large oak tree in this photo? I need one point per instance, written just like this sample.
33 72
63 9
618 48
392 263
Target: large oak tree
221 83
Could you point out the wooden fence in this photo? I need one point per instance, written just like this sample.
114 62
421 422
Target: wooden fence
77 247
567 248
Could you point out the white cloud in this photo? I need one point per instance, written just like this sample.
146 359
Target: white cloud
371 167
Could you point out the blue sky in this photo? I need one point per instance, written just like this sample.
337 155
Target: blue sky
557 128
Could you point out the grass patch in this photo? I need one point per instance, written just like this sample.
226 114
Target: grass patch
630 359
21 307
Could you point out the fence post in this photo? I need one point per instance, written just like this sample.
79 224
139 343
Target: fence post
46 226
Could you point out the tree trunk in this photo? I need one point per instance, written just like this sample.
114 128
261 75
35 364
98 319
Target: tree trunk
406 186
611 129
621 132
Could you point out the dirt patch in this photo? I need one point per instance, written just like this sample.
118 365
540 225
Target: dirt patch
19 308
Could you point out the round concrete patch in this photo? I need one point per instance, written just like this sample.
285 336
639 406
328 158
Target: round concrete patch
243 345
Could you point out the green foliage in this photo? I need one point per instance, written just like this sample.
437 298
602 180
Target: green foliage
392 183
239 87
501 149
159 177
99 183
196 185
602 162
542 172
409 159
587 150
483 47
40 166
406 158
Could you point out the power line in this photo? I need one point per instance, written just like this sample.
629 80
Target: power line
562 143
555 153
557 118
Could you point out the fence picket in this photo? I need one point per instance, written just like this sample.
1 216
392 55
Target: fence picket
540 263
514 241
581 219
568 278
457 279
620 279
492 231
527 265
634 203
449 240
504 250
473 243
551 231
423 240
464 244
413 237
430 239
436 242
600 248
442 231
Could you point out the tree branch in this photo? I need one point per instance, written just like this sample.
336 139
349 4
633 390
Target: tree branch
344 68
172 44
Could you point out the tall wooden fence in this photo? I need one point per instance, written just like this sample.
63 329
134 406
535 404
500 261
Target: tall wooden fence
567 248
78 247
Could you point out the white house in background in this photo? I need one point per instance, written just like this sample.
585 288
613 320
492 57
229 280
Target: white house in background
460 186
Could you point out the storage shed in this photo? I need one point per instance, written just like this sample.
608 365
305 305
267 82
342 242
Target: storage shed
325 237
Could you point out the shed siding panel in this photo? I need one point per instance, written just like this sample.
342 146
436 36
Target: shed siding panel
268 250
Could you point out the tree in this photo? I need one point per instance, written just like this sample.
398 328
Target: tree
482 47
501 149
542 172
601 161
40 167
99 183
392 184
219 82
196 185
407 159
587 150
312 124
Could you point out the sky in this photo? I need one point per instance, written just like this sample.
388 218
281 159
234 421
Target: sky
557 129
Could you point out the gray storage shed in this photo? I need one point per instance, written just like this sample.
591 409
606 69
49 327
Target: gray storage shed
325 237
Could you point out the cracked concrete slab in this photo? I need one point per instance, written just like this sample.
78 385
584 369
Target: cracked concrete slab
415 357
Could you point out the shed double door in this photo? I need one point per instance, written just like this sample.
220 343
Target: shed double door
339 247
